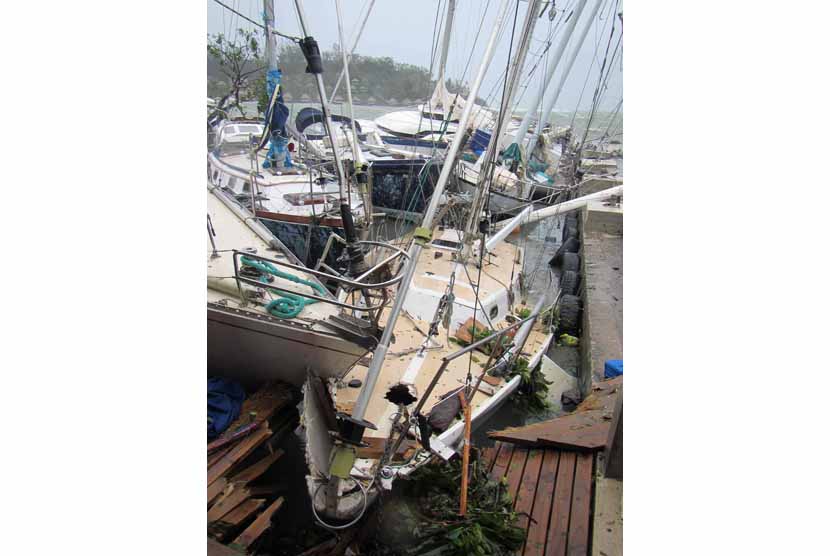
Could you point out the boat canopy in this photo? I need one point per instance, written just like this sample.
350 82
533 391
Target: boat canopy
310 115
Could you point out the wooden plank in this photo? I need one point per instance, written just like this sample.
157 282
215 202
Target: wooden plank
560 512
252 472
538 529
493 380
216 489
227 503
216 456
238 453
527 488
259 526
502 461
215 548
377 446
224 441
267 490
586 430
243 511
580 522
515 471
486 455
614 445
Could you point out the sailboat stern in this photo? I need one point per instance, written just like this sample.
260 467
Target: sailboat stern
339 484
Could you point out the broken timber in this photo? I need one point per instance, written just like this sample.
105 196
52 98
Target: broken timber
586 429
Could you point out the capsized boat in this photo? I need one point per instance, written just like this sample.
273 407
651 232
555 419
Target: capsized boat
426 368
263 304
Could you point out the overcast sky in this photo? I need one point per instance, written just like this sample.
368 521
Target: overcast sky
403 30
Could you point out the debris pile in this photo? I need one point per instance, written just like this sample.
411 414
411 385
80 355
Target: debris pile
586 429
428 514
240 503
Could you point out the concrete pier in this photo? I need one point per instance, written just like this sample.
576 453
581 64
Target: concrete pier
602 289
601 239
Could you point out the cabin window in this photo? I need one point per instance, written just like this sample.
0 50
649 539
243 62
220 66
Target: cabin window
494 312
246 187
446 243
215 175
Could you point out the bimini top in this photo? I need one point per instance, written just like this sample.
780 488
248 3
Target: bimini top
309 115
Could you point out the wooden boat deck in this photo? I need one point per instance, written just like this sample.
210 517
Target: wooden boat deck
401 365
554 488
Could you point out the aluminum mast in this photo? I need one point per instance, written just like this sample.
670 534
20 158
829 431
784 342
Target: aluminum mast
424 234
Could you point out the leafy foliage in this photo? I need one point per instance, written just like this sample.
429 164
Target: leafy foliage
239 59
487 529
480 333
381 78
532 393
524 312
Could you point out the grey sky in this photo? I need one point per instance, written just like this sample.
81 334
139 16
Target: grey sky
403 30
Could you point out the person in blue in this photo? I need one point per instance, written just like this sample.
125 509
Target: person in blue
278 156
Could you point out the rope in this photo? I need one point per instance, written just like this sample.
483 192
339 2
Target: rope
286 305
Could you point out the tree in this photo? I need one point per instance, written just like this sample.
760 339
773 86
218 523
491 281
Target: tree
239 60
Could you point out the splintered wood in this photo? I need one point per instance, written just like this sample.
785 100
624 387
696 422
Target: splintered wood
238 507
586 429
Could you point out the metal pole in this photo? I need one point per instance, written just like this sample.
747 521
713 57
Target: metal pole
415 250
547 109
341 176
573 204
270 40
488 156
531 17
352 49
445 44
557 55
356 155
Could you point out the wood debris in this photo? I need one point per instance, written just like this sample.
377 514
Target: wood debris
586 429
240 505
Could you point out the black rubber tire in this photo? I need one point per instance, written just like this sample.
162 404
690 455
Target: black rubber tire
570 245
570 261
569 314
569 282
571 230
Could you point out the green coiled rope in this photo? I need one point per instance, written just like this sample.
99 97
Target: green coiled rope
287 305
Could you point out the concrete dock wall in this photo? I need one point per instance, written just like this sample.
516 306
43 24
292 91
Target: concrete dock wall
601 240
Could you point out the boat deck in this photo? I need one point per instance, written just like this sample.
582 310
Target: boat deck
403 364
233 233
552 487
496 274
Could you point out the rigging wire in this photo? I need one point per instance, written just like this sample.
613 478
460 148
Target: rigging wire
484 190
248 19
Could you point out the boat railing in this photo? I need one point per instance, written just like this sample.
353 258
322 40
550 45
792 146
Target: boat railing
346 284
446 360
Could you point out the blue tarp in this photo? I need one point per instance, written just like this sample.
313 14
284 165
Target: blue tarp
224 403
613 367
479 141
